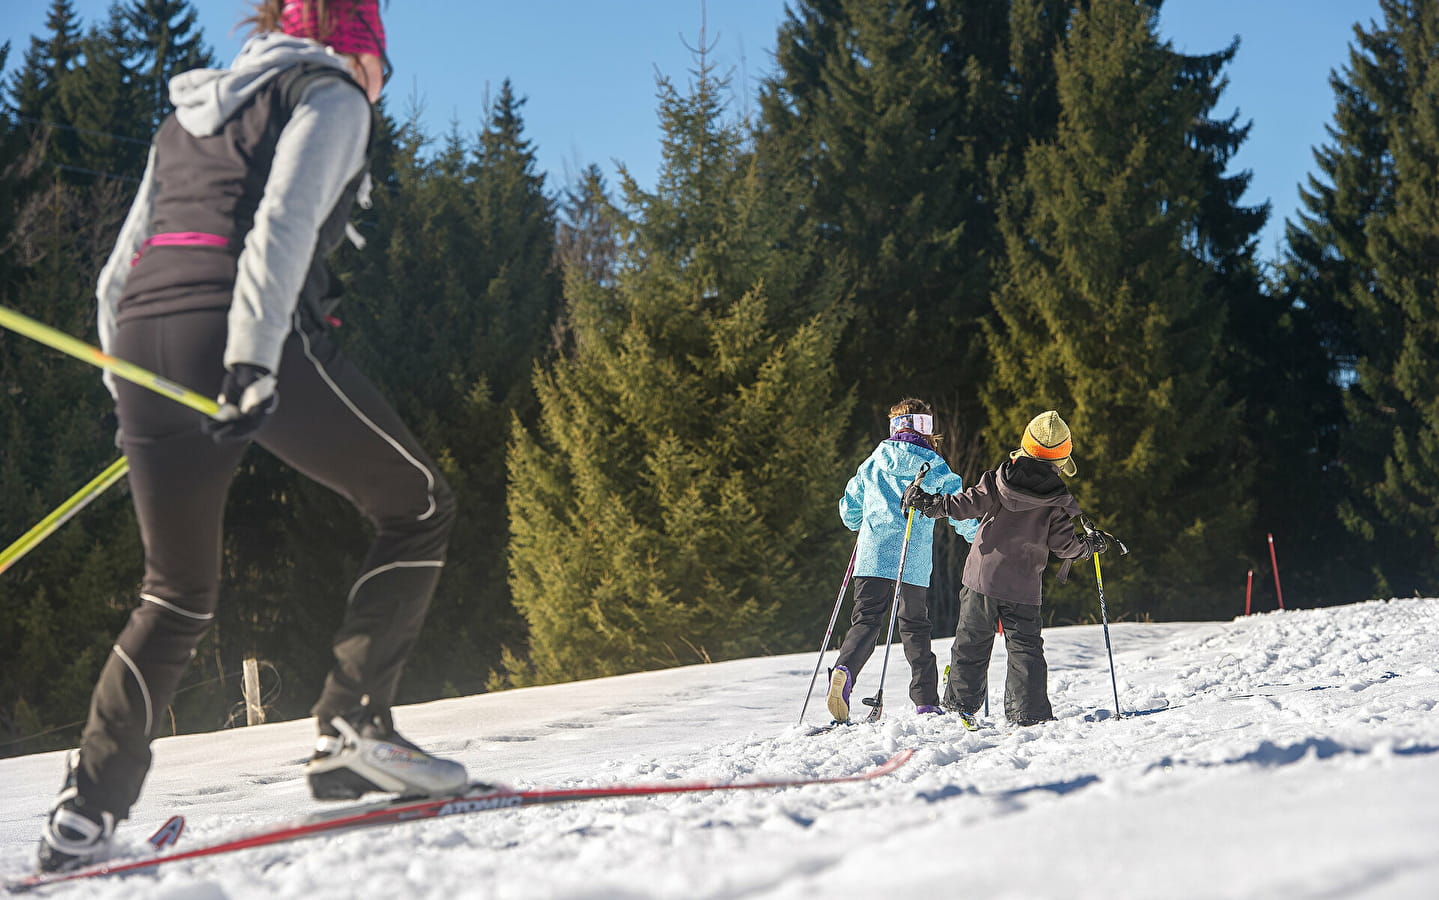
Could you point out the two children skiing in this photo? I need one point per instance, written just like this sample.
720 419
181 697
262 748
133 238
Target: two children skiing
1024 513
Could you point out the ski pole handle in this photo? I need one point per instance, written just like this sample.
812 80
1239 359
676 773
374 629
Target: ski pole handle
915 484
59 340
1088 525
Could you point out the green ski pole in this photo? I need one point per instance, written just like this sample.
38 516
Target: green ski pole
877 701
82 351
59 340
63 513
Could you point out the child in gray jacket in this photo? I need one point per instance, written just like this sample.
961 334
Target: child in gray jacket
1026 513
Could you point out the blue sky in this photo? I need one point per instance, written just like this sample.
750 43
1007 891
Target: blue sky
588 69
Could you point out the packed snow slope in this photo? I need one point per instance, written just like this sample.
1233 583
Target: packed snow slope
1284 755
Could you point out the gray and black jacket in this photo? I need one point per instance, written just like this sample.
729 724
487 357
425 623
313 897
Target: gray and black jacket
1025 513
248 188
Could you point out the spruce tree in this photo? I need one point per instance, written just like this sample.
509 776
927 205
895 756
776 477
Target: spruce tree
515 219
101 110
96 97
587 242
869 136
1359 258
34 89
1103 315
13 182
1273 363
1402 244
889 133
162 41
675 503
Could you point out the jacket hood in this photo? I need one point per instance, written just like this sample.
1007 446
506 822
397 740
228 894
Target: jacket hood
1026 483
205 99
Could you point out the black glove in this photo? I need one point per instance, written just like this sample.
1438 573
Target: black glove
247 397
921 501
1096 541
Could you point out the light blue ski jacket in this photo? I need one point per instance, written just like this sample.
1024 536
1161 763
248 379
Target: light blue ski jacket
870 505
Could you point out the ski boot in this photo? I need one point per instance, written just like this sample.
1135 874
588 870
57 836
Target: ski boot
366 754
76 833
840 684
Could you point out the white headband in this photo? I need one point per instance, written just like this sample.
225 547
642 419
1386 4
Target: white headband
920 422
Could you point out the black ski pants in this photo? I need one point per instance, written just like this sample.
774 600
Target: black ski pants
869 623
333 426
1026 682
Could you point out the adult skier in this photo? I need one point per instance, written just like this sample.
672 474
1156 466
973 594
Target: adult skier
218 282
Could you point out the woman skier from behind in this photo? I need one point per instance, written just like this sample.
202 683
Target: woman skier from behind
218 282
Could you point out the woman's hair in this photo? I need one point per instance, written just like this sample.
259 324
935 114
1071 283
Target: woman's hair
268 14
910 406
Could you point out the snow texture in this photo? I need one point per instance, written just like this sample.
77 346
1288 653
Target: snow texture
1291 754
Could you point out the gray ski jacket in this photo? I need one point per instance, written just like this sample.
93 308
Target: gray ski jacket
1025 513
318 154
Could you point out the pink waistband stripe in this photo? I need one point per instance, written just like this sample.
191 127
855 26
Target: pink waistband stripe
187 238
181 239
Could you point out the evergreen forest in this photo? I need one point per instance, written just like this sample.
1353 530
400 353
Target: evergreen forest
649 397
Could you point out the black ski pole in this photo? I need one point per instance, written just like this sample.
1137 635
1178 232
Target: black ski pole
828 632
877 701
1103 612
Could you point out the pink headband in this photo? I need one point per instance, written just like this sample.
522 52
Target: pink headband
354 27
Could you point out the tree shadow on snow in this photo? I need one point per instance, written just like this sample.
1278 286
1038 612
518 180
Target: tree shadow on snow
1270 754
1059 788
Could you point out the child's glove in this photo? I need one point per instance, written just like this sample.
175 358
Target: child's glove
921 501
1095 541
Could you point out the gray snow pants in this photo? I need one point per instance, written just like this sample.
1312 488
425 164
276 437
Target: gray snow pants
869 624
333 426
1026 683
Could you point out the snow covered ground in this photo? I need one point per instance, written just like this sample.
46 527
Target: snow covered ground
1285 755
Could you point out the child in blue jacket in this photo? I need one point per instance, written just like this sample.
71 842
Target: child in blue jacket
871 506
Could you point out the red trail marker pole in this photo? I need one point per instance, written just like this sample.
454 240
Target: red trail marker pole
1275 562
1248 590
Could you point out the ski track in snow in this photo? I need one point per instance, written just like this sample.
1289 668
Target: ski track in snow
1290 754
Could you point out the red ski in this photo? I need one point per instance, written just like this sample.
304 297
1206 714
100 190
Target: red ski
478 798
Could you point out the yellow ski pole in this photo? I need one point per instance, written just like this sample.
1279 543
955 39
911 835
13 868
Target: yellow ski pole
63 513
59 340
877 701
63 342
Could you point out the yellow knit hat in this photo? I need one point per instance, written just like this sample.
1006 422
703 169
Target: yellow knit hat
1046 437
